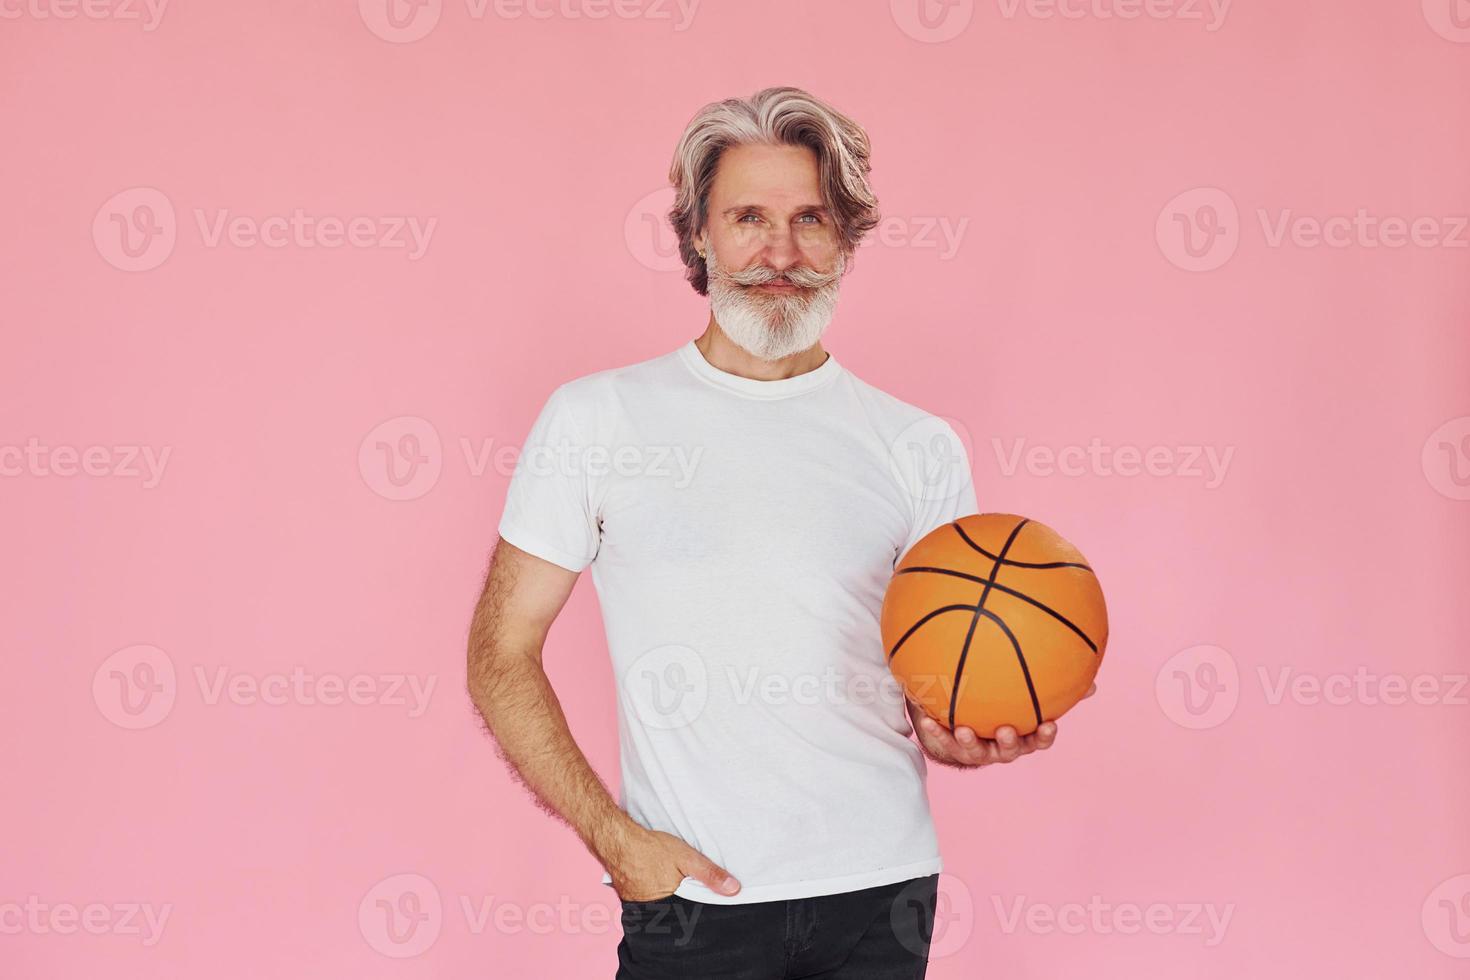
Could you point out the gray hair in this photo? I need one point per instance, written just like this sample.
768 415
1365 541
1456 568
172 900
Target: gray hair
782 116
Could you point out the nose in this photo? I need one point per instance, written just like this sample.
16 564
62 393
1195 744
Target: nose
780 252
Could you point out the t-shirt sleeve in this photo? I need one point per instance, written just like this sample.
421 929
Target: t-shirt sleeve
940 483
548 506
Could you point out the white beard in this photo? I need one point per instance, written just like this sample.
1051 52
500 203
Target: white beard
771 326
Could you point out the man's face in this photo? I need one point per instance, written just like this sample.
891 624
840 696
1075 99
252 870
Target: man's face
771 250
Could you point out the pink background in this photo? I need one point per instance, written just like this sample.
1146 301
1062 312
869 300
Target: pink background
1070 310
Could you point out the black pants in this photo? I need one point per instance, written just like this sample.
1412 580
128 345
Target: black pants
879 933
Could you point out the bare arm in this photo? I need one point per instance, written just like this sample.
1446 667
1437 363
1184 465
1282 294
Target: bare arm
523 594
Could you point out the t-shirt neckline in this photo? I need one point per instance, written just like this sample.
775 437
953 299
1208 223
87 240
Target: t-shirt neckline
754 388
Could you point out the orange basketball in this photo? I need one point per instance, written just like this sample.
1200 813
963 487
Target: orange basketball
993 620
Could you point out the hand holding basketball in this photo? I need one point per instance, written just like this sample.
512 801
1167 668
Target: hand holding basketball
963 749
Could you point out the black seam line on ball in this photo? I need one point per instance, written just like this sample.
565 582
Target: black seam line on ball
1011 592
1014 562
926 617
959 668
1025 670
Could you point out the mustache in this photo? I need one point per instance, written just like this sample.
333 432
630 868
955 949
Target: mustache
799 275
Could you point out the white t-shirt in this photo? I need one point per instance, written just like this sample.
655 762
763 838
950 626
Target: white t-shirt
741 534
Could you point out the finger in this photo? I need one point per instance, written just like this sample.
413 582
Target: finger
974 750
1007 743
702 869
948 746
927 725
937 739
1091 690
1046 734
